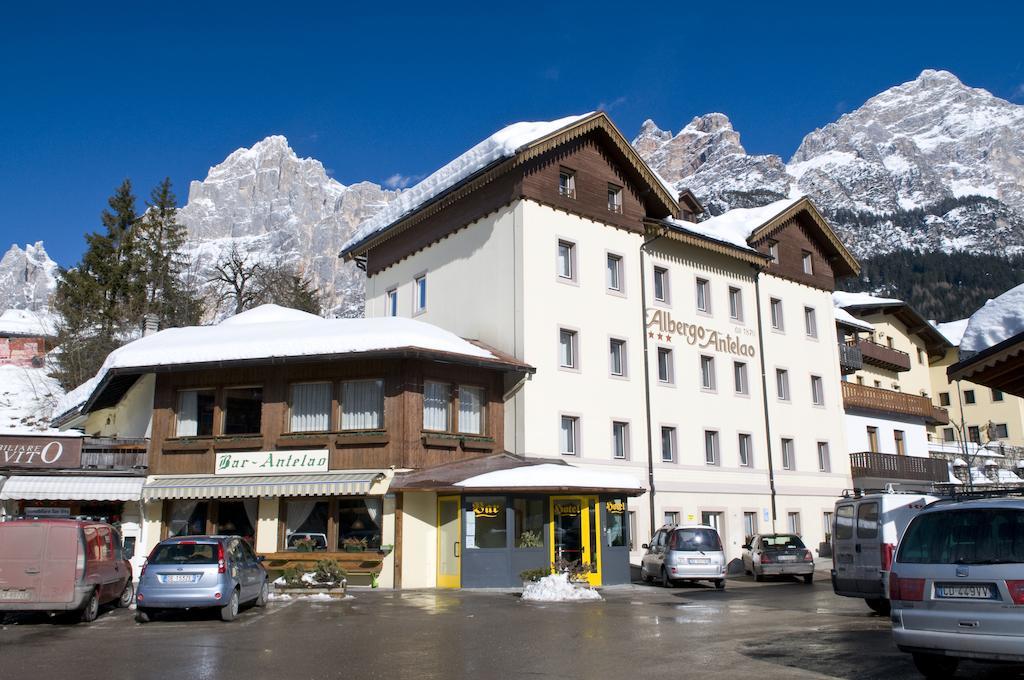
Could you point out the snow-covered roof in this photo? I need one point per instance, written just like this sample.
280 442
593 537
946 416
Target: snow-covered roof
73 400
550 475
847 319
1008 477
26 323
959 462
998 320
501 145
845 299
952 330
736 226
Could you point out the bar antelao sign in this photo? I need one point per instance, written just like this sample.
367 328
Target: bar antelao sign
40 452
661 326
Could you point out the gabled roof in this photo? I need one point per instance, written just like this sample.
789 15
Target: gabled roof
510 147
864 304
843 263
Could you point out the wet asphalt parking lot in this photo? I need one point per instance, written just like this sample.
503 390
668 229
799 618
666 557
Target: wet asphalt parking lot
778 629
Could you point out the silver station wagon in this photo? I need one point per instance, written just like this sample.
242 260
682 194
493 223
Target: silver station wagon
189 572
957 585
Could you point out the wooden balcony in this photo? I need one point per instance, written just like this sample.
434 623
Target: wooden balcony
850 359
891 467
888 401
104 453
883 357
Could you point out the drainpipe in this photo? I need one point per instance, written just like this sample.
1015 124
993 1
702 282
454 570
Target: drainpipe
964 438
647 380
764 392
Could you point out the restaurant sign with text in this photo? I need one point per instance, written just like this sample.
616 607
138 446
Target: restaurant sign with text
271 462
36 452
661 326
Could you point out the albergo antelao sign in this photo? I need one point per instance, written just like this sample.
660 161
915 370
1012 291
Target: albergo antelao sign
271 462
663 327
40 452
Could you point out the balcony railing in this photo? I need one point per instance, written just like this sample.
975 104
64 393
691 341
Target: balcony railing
850 359
889 401
103 453
889 466
883 357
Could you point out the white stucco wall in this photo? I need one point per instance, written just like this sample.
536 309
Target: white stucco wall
419 540
915 433
131 418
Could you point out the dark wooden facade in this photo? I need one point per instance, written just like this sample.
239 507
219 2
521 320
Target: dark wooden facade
401 442
794 238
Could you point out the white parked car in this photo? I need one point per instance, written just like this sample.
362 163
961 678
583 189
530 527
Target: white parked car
778 555
690 553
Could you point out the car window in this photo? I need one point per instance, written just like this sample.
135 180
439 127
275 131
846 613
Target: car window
968 536
655 541
844 522
781 542
92 543
867 520
247 551
235 549
695 539
106 543
184 553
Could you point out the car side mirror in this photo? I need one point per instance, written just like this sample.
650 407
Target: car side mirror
260 558
746 546
645 547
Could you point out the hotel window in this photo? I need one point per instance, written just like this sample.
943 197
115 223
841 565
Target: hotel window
920 355
794 523
817 391
668 444
788 454
826 522
436 406
620 440
421 293
808 261
707 373
782 383
889 342
739 372
1001 431
873 439
666 371
878 384
567 349
969 396
735 304
943 398
614 199
566 261
824 459
860 380
567 183
311 407
749 525
811 322
392 302
195 413
710 447
617 357
471 409
614 276
901 448
773 252
243 408
775 307
633 534
703 296
569 436
746 450
948 435
672 517
362 405
974 433
661 284
997 395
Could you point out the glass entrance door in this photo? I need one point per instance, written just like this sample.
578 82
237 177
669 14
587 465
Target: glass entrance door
575 526
449 534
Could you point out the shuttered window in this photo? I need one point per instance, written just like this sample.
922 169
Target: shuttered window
362 405
311 407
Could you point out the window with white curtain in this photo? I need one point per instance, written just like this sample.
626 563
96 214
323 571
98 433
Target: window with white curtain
362 405
195 413
471 409
311 407
436 406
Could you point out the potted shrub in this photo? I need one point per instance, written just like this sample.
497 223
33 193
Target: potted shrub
530 539
305 545
352 544
533 575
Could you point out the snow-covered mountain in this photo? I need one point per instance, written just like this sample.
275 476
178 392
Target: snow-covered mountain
28 278
930 164
277 207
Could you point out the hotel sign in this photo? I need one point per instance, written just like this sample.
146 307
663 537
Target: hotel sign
271 462
41 452
662 326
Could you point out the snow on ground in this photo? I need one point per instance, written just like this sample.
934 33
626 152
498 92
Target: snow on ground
998 320
27 398
735 226
557 588
26 323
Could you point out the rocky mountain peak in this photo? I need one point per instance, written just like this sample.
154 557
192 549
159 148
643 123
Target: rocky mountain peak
28 278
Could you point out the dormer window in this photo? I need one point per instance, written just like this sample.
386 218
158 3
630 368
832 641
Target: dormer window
808 263
567 183
614 199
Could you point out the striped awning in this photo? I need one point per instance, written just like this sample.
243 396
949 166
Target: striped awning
255 486
61 488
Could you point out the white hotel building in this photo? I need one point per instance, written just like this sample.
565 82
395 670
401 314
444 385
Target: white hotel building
555 243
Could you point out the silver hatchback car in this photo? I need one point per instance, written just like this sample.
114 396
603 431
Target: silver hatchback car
189 572
957 585
690 553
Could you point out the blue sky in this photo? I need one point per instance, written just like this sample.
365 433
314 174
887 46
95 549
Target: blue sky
91 93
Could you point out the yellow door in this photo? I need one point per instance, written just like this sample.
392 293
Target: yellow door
449 535
575 526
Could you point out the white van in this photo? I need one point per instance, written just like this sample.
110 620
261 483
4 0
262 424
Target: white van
866 531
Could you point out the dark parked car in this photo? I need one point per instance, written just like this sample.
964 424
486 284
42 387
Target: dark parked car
778 555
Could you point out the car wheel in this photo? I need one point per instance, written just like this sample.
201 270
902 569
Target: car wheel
261 599
91 609
936 666
758 577
230 610
879 605
143 615
665 580
720 584
644 576
808 578
127 595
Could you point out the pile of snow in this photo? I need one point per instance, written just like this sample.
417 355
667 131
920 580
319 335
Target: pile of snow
844 299
502 144
309 578
548 476
844 317
27 400
998 320
557 588
736 226
952 330
22 322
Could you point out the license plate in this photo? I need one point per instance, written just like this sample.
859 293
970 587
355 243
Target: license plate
787 558
179 578
15 594
972 592
699 560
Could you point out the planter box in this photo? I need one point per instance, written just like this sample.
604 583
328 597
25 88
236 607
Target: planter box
335 591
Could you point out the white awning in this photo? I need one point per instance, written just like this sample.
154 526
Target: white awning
551 476
61 488
255 486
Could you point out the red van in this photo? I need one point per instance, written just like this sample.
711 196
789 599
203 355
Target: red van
62 565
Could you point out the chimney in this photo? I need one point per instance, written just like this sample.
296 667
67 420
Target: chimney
150 324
